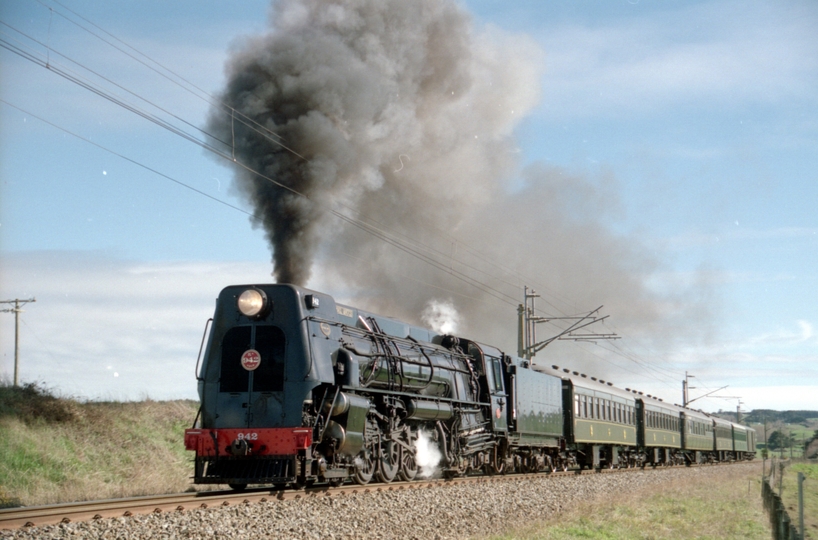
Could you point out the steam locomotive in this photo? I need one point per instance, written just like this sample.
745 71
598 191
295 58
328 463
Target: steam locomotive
297 389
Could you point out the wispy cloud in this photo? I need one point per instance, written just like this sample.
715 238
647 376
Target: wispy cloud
711 55
801 333
737 233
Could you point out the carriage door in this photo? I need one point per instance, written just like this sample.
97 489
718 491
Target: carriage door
251 385
499 399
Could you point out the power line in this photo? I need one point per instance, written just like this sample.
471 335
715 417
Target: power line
411 246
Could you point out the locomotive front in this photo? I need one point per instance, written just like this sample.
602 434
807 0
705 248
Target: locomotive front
256 375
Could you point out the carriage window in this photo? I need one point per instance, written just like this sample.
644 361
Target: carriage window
584 407
576 406
596 401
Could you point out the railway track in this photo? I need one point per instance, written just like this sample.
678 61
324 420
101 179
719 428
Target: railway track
15 518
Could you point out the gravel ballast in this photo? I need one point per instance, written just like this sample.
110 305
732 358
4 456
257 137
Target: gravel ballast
441 512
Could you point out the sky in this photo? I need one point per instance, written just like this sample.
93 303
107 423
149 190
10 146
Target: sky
692 127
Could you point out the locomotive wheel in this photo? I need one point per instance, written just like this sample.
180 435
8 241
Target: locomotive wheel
552 464
408 466
408 458
238 487
389 462
364 467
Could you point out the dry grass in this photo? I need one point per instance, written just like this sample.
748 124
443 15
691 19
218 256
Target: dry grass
57 450
726 505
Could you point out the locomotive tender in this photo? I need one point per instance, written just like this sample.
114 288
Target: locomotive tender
296 388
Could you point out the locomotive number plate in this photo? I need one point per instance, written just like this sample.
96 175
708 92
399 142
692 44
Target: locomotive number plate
250 360
247 436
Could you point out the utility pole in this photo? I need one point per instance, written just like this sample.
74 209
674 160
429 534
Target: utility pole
16 310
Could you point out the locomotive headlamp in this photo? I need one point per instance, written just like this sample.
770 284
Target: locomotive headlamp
252 303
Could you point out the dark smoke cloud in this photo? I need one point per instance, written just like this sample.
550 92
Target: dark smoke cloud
402 114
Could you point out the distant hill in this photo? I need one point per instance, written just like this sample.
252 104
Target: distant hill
758 416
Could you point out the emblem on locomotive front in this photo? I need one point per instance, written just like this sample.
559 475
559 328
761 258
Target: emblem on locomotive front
250 360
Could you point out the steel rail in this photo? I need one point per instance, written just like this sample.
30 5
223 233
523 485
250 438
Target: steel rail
15 518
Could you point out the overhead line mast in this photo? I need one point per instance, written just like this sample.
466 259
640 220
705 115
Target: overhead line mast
527 344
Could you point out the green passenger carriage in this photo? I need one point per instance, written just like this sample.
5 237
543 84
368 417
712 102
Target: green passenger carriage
697 436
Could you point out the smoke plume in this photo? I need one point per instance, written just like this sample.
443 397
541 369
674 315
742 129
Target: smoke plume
400 115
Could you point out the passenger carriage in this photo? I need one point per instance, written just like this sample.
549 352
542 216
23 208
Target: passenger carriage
600 420
697 437
660 430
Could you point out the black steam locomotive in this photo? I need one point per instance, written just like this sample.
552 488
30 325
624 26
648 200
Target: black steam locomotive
296 389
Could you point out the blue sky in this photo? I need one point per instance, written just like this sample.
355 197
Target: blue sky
701 118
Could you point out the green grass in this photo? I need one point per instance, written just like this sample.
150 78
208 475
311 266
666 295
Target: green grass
789 495
696 508
57 450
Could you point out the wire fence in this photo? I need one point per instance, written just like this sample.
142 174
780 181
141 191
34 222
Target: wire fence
783 526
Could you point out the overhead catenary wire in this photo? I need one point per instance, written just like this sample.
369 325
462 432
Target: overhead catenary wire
255 127
202 94
188 86
409 245
372 229
261 130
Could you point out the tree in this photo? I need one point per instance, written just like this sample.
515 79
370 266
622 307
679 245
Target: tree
779 440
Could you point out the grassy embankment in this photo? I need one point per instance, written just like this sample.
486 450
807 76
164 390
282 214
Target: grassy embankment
789 495
58 450
692 508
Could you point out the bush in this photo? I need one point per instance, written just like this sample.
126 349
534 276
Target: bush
31 403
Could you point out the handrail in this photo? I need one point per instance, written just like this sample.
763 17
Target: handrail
201 347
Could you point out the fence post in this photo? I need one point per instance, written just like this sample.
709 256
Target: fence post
801 505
